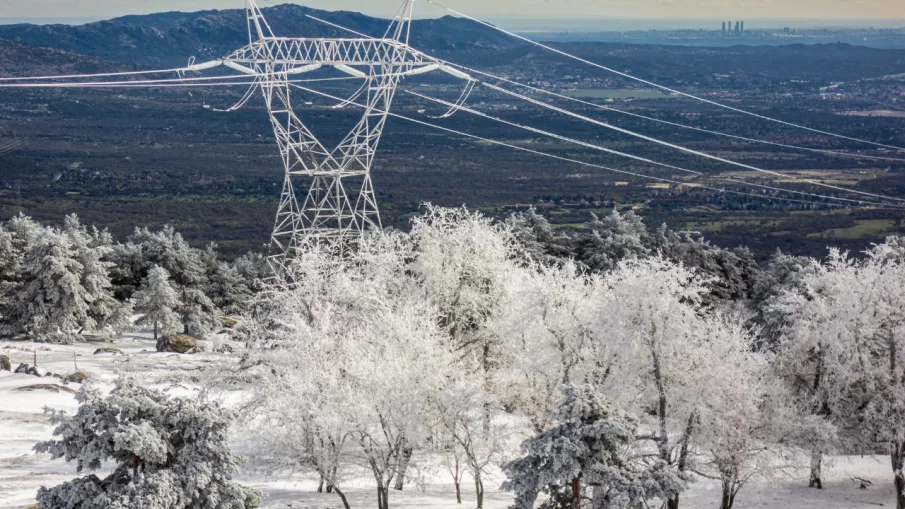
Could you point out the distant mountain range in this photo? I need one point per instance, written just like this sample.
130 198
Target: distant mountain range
169 39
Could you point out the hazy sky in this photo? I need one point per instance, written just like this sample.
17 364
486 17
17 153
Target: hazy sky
717 9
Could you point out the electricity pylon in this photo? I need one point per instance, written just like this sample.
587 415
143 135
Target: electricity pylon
340 203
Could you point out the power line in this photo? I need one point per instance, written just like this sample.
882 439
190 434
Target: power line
458 105
656 85
637 158
674 124
579 162
685 149
98 75
175 82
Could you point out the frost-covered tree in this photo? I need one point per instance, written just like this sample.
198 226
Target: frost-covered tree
538 240
10 265
91 247
815 354
16 237
463 263
613 238
52 301
157 301
347 374
660 355
844 349
552 321
745 419
165 452
145 249
226 288
253 268
198 313
585 455
468 422
783 273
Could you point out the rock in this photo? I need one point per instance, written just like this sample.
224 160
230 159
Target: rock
179 343
47 387
78 377
35 371
228 322
23 369
114 351
225 348
5 365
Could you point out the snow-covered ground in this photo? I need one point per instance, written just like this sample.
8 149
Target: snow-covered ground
24 423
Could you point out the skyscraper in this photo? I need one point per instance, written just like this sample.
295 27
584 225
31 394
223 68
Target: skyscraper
743 27
737 26
724 28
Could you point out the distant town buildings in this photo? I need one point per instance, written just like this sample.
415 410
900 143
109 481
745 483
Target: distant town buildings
738 30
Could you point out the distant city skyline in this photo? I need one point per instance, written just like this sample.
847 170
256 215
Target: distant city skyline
839 10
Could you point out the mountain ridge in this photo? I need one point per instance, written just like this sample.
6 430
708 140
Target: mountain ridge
171 38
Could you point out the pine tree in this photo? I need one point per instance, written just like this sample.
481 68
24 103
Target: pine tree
198 313
586 449
539 241
225 286
92 246
52 300
166 452
158 302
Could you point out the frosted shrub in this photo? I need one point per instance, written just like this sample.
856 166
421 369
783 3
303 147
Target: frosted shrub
168 453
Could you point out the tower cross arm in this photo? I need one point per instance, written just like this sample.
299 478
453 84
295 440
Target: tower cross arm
281 55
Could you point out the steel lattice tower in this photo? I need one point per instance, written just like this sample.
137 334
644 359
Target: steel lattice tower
340 203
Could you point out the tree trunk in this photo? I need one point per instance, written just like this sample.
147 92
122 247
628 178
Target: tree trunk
576 492
479 489
403 468
383 497
342 496
155 330
816 461
728 496
457 479
898 461
185 304
330 486
673 503
320 487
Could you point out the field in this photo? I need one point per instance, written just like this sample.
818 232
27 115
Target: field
616 94
23 423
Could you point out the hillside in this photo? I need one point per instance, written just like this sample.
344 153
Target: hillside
20 60
169 39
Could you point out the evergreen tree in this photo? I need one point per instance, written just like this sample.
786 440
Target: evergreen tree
539 241
225 286
585 450
91 247
15 239
171 453
253 268
227 289
198 313
146 249
612 239
158 302
52 300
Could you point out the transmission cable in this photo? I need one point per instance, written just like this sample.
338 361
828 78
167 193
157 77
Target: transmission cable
639 158
582 163
656 85
684 149
458 106
673 124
